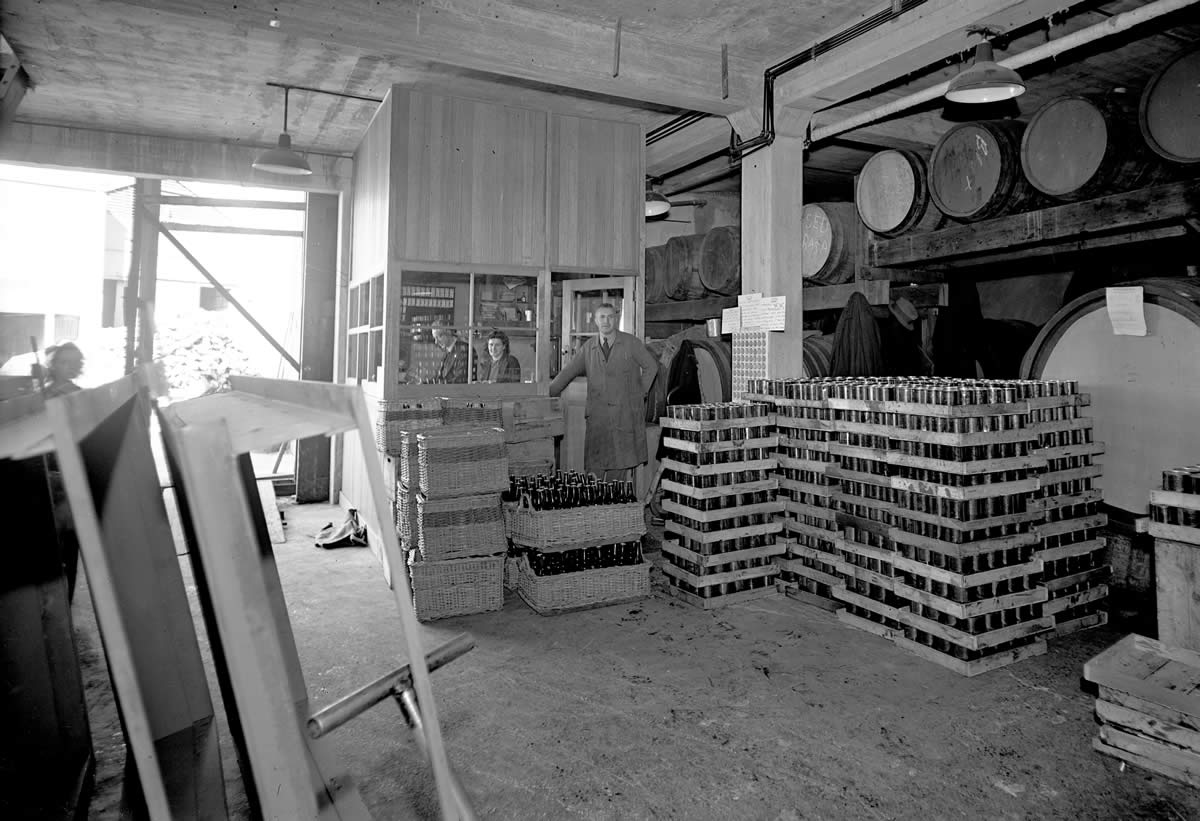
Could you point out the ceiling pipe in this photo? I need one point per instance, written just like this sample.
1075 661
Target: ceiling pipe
1111 26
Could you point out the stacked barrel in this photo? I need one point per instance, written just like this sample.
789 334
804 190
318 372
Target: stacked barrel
719 502
1075 570
954 517
695 266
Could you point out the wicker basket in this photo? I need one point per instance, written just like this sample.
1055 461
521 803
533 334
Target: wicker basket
456 588
511 571
477 412
406 454
398 415
578 525
405 508
583 589
462 462
460 526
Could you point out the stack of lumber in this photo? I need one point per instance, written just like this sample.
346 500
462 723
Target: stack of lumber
1175 526
934 506
1149 706
457 567
721 531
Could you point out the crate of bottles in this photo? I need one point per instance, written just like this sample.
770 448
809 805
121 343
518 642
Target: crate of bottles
580 577
461 461
458 527
717 573
394 417
1175 509
1175 526
569 507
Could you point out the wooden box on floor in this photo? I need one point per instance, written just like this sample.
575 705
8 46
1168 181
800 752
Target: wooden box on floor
1149 706
1177 566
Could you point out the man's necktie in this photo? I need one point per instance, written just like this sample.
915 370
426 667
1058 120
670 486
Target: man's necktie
605 347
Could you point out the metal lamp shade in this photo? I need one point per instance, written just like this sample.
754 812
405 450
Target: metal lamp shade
986 81
656 204
282 159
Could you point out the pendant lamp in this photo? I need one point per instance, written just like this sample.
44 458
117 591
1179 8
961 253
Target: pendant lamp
656 203
986 81
282 159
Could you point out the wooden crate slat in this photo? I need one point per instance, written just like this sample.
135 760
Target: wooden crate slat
1146 762
966 549
667 422
967 610
724 513
859 623
1070 475
716 492
715 447
805 487
1095 574
1047 529
985 491
708 580
1168 755
1128 664
1172 498
722 535
804 529
977 641
998 574
1064 500
722 600
1069 626
858 600
958 440
1070 551
966 527
801 569
717 559
863 574
1071 451
1089 596
711 470
1175 533
802 464
973 668
806 444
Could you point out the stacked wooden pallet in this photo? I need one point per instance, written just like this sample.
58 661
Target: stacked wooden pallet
1149 706
721 530
1175 526
937 504
1075 569
809 566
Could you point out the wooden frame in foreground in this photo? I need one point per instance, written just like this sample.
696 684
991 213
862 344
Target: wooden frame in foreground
293 775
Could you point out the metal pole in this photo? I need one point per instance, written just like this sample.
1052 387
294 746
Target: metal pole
412 714
223 291
364 698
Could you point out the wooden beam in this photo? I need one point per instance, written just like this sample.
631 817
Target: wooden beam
506 39
835 297
916 39
230 229
219 202
142 155
1074 223
691 310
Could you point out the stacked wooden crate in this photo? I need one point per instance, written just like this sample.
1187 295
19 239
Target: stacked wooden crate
1175 526
531 424
721 531
1149 706
805 427
457 567
1075 568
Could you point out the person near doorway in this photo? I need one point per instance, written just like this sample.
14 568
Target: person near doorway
456 359
64 364
620 371
502 366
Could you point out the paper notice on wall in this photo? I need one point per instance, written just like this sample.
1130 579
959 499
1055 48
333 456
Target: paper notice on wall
731 320
1125 311
765 314
744 298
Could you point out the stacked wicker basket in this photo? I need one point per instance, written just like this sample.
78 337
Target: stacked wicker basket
575 558
448 511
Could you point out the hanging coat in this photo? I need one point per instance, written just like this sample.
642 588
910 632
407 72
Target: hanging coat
616 393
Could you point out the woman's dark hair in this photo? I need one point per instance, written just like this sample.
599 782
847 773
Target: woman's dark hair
53 351
502 336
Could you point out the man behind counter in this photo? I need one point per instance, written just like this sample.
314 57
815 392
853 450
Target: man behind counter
620 370
455 360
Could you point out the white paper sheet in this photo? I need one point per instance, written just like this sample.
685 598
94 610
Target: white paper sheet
731 320
1125 310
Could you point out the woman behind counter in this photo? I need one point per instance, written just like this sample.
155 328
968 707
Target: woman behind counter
503 367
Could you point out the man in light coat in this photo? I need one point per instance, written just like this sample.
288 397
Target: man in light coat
620 371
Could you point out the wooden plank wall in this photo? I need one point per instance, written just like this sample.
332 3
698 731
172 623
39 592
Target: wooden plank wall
468 181
372 162
595 195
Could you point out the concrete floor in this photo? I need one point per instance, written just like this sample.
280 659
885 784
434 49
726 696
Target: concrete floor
765 710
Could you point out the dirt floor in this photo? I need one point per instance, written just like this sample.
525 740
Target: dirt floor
770 709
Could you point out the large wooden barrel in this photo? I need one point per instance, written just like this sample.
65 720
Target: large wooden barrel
975 171
828 242
892 193
1076 148
656 274
1145 389
683 267
1169 114
817 354
721 260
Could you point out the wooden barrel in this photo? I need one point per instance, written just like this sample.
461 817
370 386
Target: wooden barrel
1169 114
828 242
656 274
1147 424
975 171
1076 148
892 194
817 354
701 371
683 267
721 260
